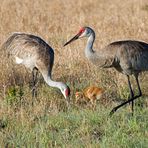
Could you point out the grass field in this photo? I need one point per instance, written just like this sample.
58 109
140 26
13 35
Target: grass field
48 123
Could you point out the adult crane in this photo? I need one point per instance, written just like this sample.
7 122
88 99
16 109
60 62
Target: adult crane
129 57
35 54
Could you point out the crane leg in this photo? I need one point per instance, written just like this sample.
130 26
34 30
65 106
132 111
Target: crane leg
34 81
130 100
131 93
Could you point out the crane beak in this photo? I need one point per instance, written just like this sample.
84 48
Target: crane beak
73 39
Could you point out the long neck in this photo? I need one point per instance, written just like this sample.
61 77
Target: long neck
102 57
89 46
50 82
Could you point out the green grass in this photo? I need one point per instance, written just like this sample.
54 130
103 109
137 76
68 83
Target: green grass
51 124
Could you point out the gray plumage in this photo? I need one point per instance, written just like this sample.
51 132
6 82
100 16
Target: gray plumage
34 53
128 57
32 50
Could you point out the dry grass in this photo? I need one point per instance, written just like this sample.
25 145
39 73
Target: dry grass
56 21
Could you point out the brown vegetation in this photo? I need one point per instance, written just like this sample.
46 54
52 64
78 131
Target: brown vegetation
55 21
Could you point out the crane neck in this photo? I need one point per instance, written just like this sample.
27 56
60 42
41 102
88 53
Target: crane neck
89 46
50 82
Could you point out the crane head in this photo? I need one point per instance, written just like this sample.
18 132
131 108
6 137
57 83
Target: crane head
78 95
83 32
65 90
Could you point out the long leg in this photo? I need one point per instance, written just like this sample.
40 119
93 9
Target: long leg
131 93
139 89
34 81
130 100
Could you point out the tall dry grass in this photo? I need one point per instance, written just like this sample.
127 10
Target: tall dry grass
56 21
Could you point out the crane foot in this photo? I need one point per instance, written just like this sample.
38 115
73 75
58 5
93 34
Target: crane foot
113 111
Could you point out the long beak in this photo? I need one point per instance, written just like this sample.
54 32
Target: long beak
73 39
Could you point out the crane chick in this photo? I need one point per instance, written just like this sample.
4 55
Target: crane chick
90 94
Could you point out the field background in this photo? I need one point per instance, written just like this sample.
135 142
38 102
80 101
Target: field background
48 123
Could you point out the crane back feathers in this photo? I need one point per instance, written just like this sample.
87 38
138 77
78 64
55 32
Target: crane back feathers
126 56
29 47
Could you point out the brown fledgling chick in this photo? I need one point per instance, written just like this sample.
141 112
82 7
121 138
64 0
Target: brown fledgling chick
90 94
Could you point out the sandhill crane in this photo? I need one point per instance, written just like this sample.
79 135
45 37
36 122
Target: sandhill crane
89 94
129 57
35 54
